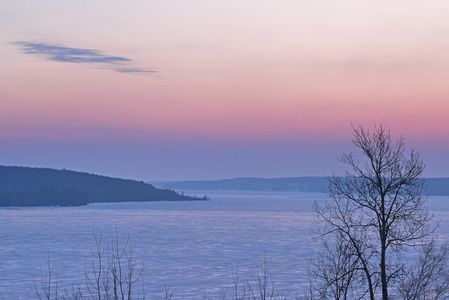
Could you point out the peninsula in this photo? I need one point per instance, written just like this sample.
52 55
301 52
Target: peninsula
24 186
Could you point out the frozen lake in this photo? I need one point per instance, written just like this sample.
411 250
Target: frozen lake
191 246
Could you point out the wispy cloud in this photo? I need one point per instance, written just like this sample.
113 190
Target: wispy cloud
78 55
132 70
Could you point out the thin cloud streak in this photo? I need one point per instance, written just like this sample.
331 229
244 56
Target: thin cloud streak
132 70
78 55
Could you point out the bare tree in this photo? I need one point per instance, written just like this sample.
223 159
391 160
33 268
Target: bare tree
261 287
428 279
168 293
377 209
113 271
111 275
334 271
96 281
48 287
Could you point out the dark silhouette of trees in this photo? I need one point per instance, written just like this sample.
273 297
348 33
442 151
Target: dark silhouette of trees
376 213
21 186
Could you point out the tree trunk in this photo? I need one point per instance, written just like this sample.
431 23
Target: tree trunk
383 271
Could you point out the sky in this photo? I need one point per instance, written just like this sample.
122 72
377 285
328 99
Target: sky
165 90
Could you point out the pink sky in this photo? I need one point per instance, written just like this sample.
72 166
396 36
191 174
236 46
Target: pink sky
237 88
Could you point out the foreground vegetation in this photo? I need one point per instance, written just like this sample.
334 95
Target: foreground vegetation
113 273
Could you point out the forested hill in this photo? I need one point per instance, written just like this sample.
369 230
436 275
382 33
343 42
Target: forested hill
22 186
435 186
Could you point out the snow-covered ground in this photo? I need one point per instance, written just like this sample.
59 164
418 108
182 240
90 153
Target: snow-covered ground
191 246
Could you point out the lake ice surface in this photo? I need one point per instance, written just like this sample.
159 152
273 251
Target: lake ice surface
191 246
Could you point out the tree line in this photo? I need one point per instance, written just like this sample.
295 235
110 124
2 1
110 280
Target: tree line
22 186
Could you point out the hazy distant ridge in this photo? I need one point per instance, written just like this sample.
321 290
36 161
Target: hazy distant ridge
303 184
22 186
435 186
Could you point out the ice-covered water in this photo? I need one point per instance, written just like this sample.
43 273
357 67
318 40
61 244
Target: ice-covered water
191 246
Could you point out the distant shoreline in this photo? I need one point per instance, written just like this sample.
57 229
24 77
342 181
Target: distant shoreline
317 184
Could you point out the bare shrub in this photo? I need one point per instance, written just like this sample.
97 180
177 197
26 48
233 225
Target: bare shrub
111 274
260 287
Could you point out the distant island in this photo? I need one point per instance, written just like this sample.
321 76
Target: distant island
435 186
23 186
